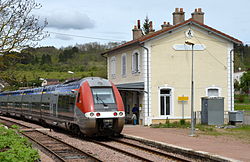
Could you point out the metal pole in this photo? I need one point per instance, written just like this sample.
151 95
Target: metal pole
182 108
192 93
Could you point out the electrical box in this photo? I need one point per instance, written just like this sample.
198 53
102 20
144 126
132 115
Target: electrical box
212 110
236 116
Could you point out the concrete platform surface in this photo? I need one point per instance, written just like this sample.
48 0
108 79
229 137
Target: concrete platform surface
216 145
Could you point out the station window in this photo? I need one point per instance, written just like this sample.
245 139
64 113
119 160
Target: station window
213 92
165 97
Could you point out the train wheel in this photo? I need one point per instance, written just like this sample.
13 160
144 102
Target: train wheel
76 130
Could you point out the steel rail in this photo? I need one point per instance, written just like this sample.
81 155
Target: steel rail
121 151
152 151
44 147
71 148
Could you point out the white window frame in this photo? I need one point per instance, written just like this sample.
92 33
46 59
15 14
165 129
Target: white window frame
213 87
139 63
124 67
171 102
113 66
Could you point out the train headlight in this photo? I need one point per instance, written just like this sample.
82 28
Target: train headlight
120 113
115 113
98 114
91 114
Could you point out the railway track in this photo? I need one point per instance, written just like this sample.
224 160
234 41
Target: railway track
59 150
143 153
151 150
126 147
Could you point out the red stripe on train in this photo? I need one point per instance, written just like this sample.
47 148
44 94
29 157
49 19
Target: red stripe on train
85 102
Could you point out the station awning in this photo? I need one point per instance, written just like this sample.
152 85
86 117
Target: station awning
137 87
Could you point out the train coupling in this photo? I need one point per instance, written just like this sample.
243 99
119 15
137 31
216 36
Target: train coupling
107 123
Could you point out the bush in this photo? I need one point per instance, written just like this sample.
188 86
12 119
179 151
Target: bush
241 98
181 124
15 148
182 121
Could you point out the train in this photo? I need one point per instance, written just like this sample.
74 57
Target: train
92 106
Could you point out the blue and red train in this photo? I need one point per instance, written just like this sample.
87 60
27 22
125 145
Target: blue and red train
91 105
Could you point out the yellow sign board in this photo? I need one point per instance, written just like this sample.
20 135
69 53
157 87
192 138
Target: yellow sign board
183 98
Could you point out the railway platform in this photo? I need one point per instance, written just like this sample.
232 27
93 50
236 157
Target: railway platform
221 146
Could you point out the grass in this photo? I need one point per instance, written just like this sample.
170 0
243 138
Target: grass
242 102
244 99
242 107
240 132
208 130
15 148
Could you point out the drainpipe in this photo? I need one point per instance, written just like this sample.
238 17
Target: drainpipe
147 74
231 79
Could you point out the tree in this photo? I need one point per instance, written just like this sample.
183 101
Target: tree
46 59
146 26
18 27
245 82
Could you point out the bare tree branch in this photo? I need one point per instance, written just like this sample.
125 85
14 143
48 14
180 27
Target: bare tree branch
18 27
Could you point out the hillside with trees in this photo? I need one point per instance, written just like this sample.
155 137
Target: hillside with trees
22 69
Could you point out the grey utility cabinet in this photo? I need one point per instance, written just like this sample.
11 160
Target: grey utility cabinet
235 116
212 110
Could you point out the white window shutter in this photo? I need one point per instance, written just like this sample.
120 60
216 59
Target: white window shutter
113 66
139 65
136 62
133 63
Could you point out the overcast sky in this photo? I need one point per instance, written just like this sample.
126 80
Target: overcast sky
113 20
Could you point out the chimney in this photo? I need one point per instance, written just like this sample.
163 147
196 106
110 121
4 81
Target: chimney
165 25
151 30
137 31
138 24
198 15
178 16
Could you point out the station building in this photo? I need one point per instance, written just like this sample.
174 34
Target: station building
154 70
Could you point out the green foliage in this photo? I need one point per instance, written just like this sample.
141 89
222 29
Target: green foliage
25 68
245 107
245 82
15 148
236 85
168 124
182 121
46 59
242 128
208 130
241 132
242 98
15 127
146 26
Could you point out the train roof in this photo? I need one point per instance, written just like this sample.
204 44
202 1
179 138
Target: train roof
63 87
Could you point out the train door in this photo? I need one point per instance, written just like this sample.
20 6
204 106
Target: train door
53 105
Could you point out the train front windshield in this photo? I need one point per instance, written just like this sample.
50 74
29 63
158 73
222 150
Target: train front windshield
103 96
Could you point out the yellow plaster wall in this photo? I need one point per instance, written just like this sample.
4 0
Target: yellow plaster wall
173 69
129 78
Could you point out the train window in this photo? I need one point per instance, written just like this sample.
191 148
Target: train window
103 95
78 97
66 102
